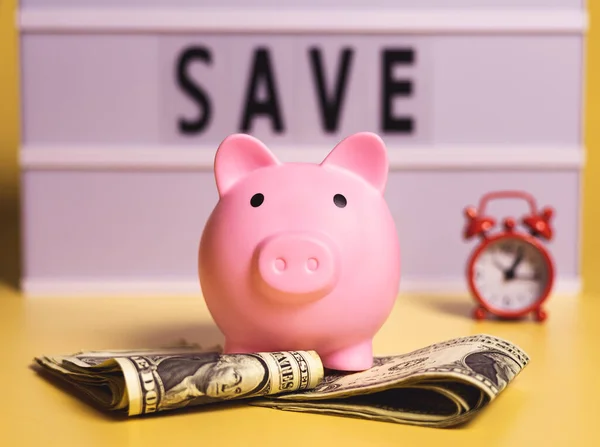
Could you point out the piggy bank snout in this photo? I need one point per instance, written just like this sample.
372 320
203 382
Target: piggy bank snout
297 267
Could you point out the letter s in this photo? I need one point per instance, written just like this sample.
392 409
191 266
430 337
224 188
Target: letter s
196 93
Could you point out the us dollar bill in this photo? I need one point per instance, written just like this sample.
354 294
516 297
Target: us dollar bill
441 385
148 381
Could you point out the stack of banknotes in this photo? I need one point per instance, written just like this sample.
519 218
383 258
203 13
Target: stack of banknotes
441 385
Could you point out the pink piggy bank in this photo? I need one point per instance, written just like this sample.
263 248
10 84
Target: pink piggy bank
301 256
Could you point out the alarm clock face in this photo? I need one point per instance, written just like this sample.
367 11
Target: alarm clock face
511 274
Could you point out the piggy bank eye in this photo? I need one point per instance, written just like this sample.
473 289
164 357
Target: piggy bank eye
339 200
257 200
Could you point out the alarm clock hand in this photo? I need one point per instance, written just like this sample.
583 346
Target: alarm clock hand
510 273
535 277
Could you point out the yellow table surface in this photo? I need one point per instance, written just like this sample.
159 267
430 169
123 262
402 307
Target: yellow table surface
556 399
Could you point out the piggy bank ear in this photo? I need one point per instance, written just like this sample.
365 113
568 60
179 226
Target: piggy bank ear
365 155
237 156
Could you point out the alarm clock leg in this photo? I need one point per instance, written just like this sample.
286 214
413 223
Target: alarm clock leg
540 314
479 313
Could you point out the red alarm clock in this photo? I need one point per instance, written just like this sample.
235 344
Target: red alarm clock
510 273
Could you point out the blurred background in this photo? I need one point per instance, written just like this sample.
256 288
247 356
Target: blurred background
111 111
10 256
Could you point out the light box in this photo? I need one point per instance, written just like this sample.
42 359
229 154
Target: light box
125 102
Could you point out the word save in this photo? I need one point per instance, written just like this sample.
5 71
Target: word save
330 99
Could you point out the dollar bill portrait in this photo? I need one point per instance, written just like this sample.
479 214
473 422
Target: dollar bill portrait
497 366
210 375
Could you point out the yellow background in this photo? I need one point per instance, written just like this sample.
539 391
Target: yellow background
9 137
9 134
